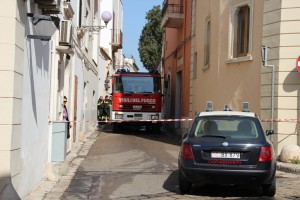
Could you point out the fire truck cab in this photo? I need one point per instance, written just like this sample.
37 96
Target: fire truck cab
136 99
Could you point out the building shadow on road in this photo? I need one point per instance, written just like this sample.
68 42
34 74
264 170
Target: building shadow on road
138 131
215 191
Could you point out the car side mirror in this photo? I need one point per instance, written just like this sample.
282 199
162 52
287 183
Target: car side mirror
269 132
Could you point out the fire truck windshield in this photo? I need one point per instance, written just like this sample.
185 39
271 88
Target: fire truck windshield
137 84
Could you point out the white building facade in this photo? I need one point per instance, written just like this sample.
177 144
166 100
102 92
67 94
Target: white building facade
49 51
111 42
130 65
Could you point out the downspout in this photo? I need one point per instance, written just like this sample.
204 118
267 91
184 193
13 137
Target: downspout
272 95
183 75
264 60
52 108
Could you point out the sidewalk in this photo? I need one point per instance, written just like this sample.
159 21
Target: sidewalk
53 190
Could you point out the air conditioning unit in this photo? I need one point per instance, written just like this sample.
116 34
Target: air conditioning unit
65 33
49 6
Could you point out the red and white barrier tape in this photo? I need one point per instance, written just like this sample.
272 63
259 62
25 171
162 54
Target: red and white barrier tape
280 120
120 121
167 120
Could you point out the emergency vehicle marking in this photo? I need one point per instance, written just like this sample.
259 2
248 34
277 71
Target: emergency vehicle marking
137 100
225 162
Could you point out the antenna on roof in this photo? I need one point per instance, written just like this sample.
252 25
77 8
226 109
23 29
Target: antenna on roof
227 108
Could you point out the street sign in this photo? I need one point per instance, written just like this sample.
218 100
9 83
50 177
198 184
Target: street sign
298 64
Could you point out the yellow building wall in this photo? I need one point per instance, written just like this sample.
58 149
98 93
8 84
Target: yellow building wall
225 81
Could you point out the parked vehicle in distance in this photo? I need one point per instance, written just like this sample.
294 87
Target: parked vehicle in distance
227 147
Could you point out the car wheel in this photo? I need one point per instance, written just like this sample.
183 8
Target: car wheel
184 186
270 190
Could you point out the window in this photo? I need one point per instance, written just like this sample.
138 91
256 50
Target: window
240 31
180 61
233 127
207 43
195 66
137 84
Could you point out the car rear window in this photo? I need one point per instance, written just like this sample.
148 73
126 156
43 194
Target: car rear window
228 126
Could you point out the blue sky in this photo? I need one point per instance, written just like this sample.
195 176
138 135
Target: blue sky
134 13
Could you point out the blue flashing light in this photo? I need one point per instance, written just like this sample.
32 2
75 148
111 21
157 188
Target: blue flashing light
153 71
121 70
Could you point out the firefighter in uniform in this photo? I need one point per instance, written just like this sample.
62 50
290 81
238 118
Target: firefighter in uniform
100 108
107 104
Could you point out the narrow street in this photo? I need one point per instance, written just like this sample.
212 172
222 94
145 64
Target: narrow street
137 165
127 165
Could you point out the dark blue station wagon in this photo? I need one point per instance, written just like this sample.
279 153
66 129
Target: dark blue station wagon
227 147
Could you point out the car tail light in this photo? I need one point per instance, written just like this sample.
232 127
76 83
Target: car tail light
187 152
266 154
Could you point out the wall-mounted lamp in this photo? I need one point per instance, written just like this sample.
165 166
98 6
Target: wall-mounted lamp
105 16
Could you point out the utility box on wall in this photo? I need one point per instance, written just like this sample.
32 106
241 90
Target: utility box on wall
59 141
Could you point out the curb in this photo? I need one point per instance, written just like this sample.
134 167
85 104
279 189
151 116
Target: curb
288 167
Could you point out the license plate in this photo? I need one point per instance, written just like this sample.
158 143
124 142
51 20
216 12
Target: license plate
225 155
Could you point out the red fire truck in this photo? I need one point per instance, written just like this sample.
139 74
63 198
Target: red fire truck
136 99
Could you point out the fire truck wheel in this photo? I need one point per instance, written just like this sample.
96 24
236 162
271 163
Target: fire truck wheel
156 128
115 127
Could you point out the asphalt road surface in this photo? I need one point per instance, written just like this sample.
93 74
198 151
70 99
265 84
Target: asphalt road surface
138 165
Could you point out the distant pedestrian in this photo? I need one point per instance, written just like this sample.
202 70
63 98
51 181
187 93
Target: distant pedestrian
66 116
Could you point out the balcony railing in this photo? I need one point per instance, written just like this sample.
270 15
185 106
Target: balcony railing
172 13
117 39
172 7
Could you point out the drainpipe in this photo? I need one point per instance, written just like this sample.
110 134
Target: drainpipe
264 60
52 116
52 81
272 96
